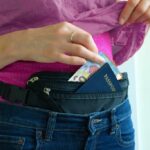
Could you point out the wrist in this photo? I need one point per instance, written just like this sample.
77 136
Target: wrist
7 54
10 45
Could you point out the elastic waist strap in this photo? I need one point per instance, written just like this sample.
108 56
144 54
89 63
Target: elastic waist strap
16 94
57 82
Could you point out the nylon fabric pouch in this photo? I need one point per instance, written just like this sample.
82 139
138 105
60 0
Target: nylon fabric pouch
55 93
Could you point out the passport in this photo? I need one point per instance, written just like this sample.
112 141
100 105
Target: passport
103 80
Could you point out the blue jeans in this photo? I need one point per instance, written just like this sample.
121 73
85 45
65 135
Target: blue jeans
34 128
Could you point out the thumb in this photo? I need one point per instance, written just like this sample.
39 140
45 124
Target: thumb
127 11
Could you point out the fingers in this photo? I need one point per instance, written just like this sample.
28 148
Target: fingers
81 48
81 51
71 60
142 10
135 11
145 17
84 38
127 11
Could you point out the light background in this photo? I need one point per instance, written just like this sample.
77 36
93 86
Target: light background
138 68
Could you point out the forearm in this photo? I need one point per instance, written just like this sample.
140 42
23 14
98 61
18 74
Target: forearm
7 55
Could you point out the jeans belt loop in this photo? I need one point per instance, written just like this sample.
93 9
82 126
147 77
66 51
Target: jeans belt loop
114 124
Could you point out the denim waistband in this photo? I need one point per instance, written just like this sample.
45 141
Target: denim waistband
30 117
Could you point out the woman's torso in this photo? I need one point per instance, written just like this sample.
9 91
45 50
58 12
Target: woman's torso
32 14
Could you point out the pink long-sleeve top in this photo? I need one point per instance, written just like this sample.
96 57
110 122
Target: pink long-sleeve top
98 17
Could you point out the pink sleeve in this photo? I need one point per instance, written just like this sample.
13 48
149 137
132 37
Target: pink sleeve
126 40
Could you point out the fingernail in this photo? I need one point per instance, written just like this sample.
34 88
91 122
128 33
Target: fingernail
121 21
84 61
102 60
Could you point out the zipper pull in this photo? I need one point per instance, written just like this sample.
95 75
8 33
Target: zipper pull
33 80
47 90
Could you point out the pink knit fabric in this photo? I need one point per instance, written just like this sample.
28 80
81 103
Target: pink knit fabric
18 72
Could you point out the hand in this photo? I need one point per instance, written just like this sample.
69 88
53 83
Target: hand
51 44
136 11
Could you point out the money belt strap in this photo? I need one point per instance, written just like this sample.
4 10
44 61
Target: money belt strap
16 94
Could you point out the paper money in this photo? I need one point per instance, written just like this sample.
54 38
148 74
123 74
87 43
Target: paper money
89 68
85 72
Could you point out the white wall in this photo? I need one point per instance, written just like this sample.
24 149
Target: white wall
138 68
142 74
129 67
